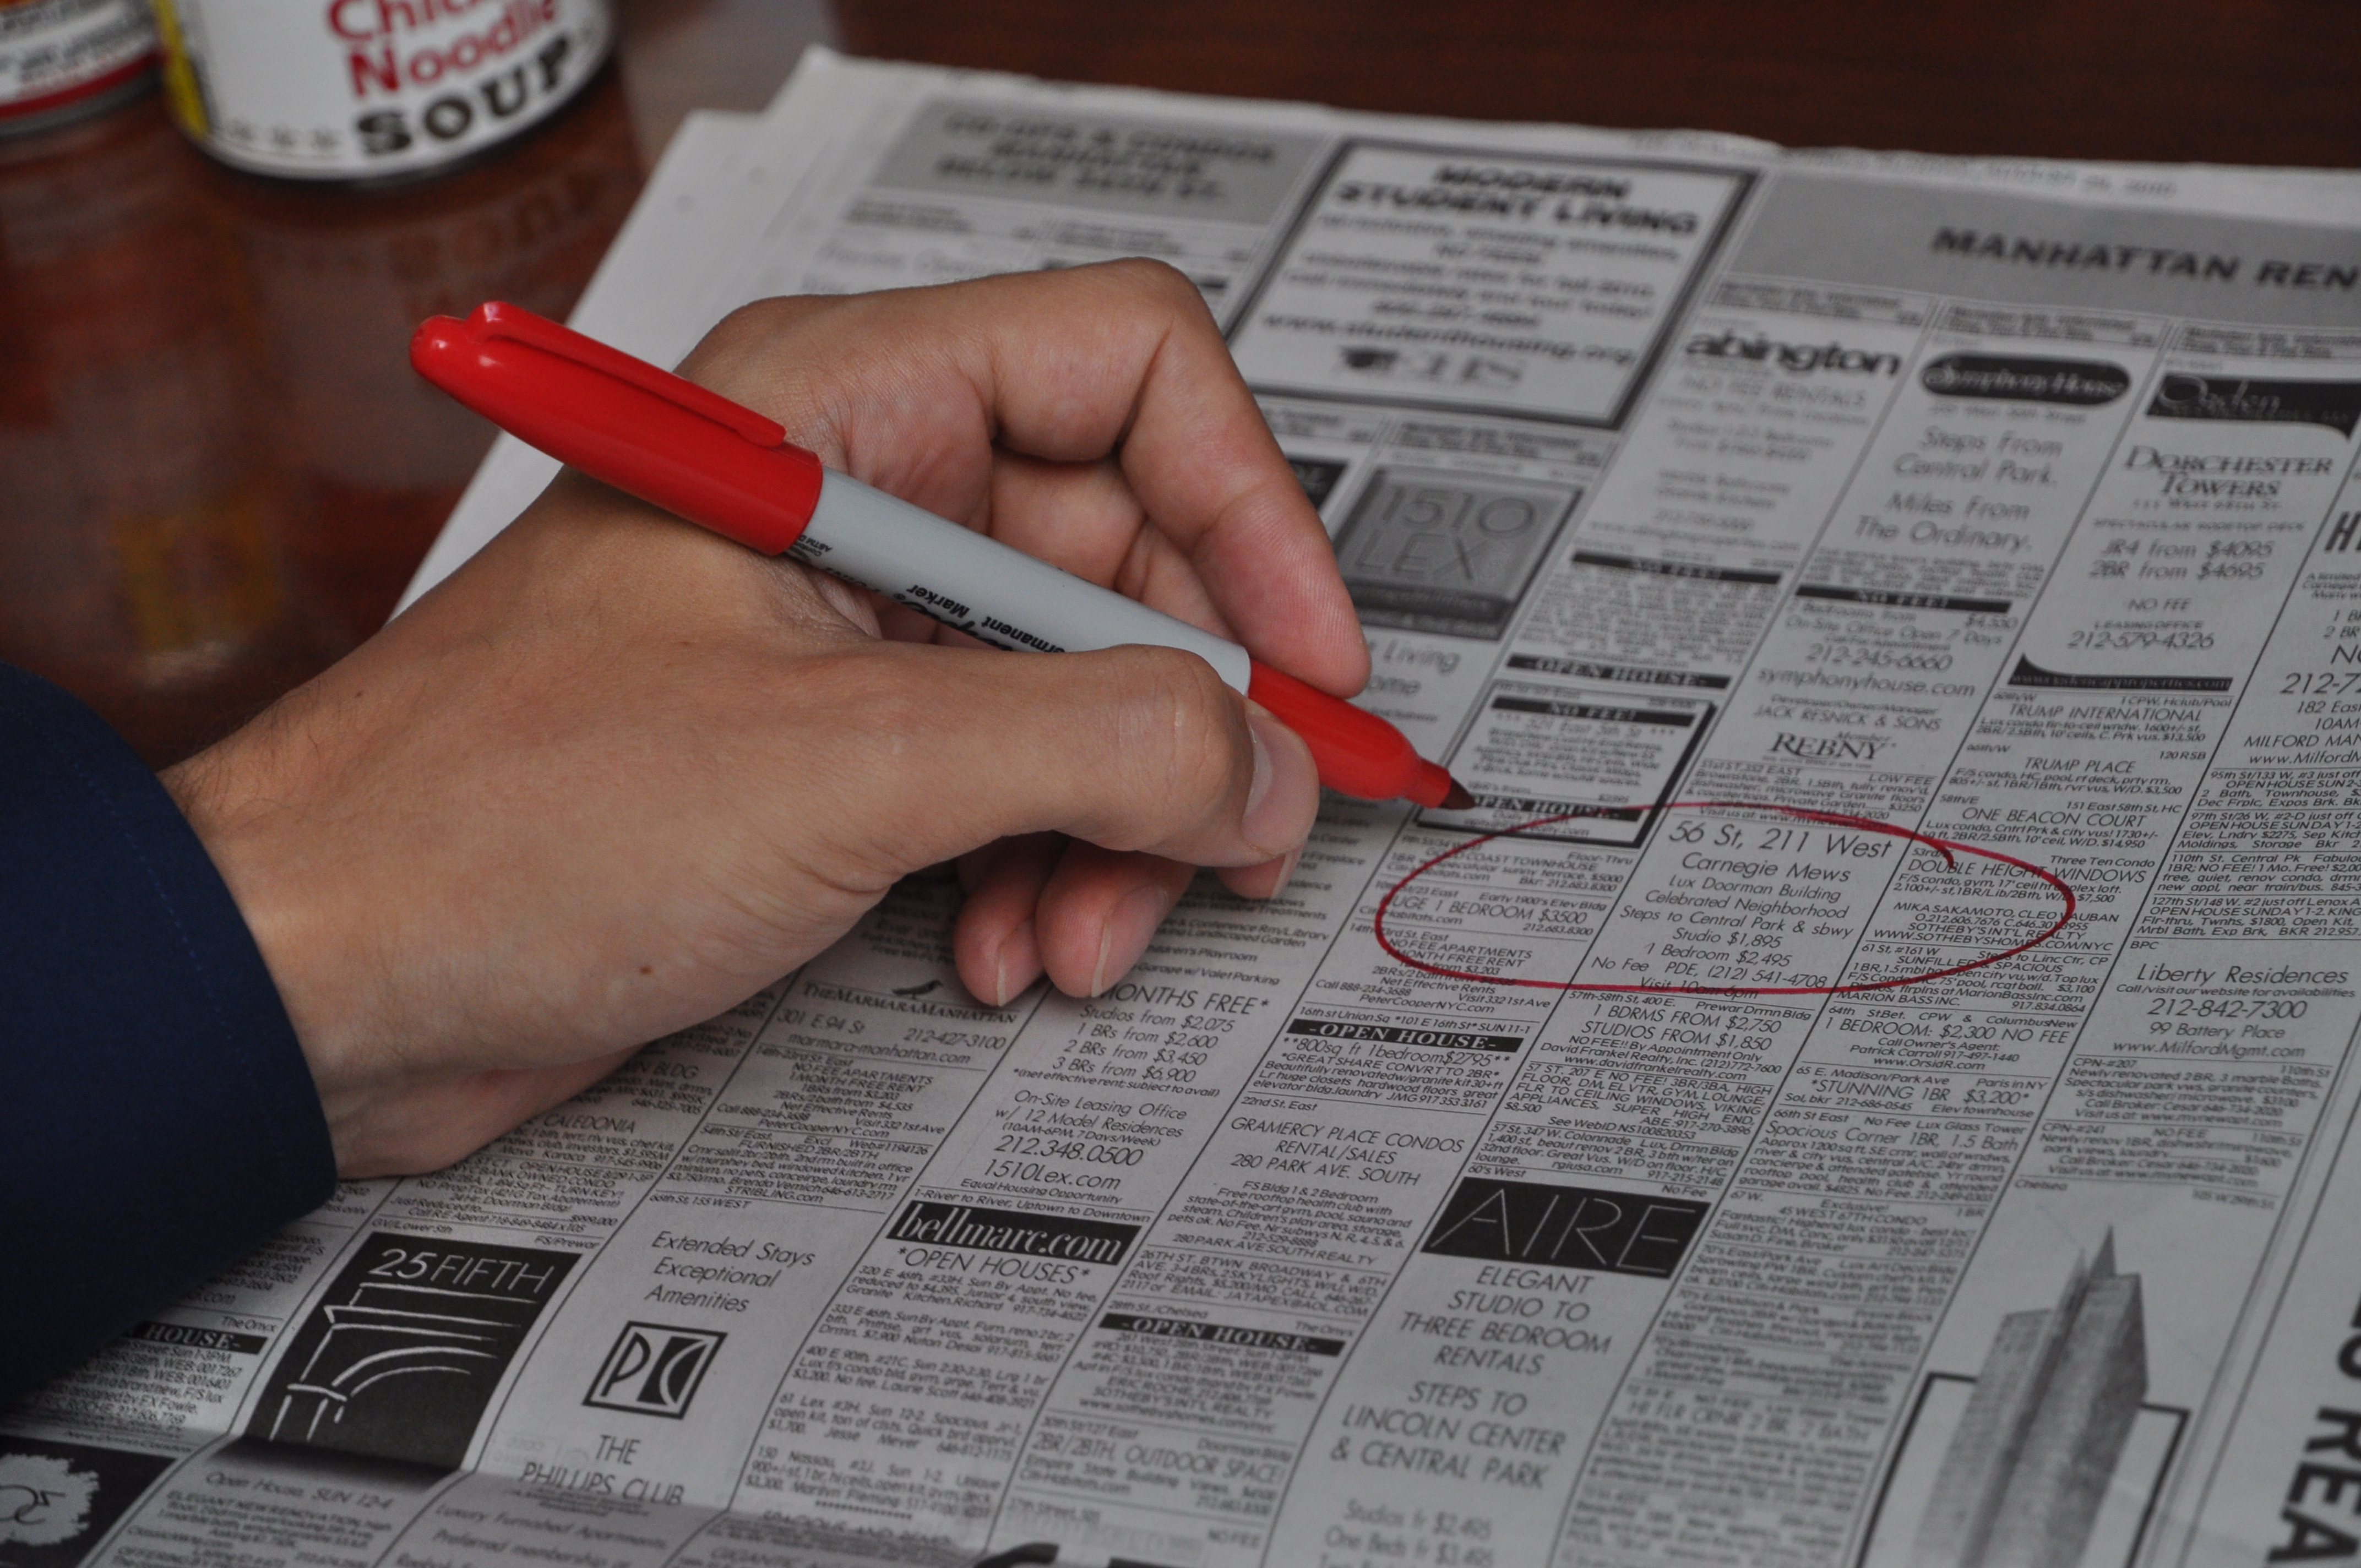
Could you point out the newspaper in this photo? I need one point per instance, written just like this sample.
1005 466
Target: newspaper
1868 1083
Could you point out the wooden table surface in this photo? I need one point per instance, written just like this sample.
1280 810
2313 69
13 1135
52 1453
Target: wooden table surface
219 473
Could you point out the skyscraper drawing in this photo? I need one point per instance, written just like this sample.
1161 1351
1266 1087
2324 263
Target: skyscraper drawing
2022 1482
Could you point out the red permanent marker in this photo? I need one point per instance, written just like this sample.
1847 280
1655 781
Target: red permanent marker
692 452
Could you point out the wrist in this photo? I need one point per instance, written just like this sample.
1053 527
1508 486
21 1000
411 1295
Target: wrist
240 823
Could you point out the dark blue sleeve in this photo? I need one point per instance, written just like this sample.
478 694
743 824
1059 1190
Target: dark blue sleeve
157 1117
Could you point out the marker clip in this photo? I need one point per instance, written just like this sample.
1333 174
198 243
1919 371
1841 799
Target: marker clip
496 319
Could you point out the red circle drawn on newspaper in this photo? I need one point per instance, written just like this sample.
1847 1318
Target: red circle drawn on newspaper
1947 847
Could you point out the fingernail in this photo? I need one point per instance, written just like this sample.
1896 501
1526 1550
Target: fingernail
1258 790
1130 927
1286 871
1283 783
1015 965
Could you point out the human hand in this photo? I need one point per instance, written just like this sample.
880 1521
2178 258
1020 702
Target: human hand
616 774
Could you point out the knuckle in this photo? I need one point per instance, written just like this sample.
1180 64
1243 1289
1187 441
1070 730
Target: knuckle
756 322
1160 284
739 333
875 697
1188 743
740 344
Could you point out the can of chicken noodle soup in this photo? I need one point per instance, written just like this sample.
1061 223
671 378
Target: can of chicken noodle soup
63 58
361 89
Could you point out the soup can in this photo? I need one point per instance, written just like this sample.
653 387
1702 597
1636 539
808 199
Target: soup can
62 58
357 90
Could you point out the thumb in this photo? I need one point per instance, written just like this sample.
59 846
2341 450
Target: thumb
1132 749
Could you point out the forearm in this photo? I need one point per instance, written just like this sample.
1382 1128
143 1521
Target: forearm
160 1118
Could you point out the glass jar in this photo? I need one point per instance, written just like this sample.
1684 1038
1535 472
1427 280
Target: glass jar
347 90
61 59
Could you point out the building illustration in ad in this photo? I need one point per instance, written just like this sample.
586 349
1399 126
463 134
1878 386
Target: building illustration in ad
399 1358
2030 1463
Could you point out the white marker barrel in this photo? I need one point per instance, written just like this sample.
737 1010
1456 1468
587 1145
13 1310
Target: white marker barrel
992 592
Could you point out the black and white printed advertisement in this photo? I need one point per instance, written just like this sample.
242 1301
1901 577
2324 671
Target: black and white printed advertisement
1868 1083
